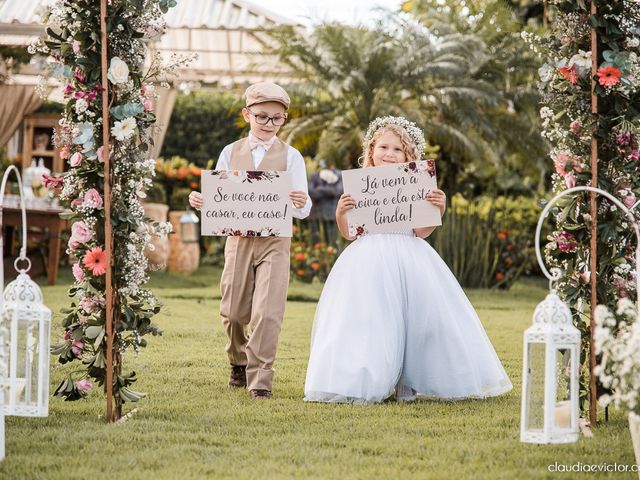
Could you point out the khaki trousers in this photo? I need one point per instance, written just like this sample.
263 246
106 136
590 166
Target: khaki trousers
254 287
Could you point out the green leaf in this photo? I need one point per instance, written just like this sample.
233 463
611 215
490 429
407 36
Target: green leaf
94 331
53 34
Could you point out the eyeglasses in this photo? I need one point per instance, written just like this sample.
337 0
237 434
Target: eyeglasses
262 119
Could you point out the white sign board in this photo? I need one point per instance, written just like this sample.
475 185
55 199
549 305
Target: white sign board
391 198
246 203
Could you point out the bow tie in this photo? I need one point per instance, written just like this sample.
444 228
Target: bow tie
254 142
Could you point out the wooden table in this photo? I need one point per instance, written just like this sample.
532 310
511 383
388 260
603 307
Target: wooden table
38 215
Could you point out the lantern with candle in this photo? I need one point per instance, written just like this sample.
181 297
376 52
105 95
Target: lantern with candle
550 374
550 365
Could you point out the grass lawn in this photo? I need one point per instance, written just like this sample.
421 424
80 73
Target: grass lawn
192 426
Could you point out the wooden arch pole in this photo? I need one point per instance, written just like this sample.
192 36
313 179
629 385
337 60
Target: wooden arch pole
593 414
112 414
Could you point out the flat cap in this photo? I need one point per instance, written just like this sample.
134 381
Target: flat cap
266 92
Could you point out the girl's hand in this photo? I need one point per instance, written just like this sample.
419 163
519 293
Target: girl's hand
195 200
345 204
438 198
299 198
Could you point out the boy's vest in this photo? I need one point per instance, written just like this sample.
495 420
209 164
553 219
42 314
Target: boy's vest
274 159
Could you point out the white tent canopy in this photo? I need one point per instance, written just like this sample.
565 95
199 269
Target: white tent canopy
227 36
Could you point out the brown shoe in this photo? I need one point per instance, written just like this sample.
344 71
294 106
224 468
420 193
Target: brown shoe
261 394
238 377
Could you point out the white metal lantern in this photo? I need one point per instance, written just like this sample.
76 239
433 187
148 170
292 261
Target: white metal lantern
25 323
550 372
550 392
189 232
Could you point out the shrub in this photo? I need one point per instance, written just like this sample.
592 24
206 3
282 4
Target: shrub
201 124
177 176
488 242
309 262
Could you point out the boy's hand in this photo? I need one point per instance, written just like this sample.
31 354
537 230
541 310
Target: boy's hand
345 204
195 200
438 198
299 198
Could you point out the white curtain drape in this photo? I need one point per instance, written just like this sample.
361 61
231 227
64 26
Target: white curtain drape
16 101
163 110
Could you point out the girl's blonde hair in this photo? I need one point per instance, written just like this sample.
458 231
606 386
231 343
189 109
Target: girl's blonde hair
409 146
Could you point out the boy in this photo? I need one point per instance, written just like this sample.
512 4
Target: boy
255 277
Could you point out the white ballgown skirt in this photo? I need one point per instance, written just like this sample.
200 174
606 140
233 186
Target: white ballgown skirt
392 317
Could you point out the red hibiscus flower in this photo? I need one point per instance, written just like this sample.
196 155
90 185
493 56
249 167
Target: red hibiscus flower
95 261
609 76
569 73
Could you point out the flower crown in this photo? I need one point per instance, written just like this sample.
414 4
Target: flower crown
410 127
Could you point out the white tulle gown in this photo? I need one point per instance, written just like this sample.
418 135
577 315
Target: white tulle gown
393 318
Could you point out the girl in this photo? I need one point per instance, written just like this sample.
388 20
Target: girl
392 315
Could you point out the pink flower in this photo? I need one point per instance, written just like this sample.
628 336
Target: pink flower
78 273
569 73
76 47
629 200
87 304
570 180
66 335
586 277
562 162
79 76
76 347
92 199
609 76
84 385
148 105
95 261
100 153
635 155
68 89
575 127
76 159
83 319
64 152
80 233
52 183
77 201
566 242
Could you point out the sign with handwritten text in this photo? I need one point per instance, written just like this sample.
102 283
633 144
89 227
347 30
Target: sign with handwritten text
391 198
246 203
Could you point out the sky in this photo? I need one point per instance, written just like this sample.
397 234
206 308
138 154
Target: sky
313 11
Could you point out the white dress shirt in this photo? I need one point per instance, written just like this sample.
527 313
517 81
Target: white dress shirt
295 165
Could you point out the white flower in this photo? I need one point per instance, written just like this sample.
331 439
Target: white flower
546 112
633 42
545 72
118 71
81 105
582 60
124 129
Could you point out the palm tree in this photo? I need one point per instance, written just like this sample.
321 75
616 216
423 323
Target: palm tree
506 130
444 80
